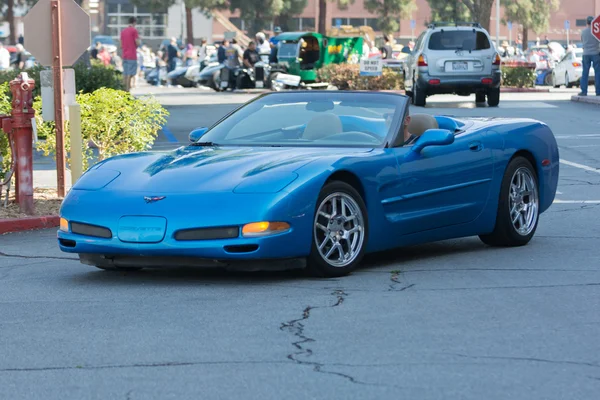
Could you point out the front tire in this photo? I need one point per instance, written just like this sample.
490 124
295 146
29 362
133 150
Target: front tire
518 207
340 231
479 97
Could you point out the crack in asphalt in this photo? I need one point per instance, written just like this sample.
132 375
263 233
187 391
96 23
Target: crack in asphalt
512 287
583 207
396 281
296 328
37 257
529 359
142 365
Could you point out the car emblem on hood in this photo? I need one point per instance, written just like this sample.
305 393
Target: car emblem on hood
152 199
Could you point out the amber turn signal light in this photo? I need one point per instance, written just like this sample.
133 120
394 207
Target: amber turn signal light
64 225
264 228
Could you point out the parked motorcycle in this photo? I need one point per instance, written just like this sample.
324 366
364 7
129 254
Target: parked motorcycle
256 77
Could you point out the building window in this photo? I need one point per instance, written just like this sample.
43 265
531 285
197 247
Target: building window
581 22
356 22
308 24
149 25
373 23
342 21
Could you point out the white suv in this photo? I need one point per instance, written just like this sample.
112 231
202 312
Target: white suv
453 59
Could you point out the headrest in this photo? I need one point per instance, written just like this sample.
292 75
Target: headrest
419 123
321 126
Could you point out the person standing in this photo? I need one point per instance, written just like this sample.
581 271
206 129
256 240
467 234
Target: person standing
591 57
4 58
173 55
130 40
222 51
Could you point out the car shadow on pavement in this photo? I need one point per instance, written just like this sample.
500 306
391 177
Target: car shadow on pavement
386 261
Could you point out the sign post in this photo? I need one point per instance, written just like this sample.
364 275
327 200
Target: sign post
57 32
413 25
567 28
58 97
509 25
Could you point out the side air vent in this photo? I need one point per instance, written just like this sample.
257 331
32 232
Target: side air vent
91 230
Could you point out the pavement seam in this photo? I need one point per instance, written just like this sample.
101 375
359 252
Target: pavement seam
2 254
530 359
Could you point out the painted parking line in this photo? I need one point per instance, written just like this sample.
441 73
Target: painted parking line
169 135
557 201
580 166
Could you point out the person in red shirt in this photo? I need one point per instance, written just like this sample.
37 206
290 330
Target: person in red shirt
130 41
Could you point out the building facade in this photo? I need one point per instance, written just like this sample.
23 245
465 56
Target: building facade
155 27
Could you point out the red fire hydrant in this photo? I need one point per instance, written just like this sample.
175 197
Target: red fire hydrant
20 131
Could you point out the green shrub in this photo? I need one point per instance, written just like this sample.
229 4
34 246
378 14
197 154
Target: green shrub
86 79
5 155
347 77
114 120
520 77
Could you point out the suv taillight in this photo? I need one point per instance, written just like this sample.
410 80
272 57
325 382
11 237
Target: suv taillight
422 62
497 60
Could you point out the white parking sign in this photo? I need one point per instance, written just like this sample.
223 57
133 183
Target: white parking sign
371 67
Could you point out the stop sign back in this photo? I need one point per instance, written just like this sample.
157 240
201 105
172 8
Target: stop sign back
596 27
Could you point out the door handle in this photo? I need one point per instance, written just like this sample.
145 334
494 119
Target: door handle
475 146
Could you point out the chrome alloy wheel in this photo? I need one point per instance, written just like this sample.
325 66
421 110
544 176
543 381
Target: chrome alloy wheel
523 201
339 229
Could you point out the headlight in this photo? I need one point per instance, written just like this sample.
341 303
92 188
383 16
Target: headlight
64 225
264 228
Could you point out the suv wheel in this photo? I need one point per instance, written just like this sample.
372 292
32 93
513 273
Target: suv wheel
493 97
418 95
479 97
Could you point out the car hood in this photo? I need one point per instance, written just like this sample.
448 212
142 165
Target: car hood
206 169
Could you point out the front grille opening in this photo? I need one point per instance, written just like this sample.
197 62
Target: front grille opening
245 248
91 230
67 243
225 232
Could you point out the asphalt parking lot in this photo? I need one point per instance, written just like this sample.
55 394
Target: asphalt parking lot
449 320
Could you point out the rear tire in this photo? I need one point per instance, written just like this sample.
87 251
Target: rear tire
340 231
493 97
419 98
518 206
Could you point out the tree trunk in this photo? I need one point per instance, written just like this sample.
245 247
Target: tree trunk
189 22
525 37
322 28
484 13
10 17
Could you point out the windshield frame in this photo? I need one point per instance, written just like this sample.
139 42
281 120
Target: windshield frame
399 101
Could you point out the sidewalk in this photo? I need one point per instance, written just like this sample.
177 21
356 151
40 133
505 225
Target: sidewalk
589 99
44 172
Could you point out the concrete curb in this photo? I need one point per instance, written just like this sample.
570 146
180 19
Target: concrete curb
29 223
586 99
523 90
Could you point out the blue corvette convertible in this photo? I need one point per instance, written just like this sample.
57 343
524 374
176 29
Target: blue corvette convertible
313 179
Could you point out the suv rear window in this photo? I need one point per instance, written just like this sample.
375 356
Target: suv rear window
459 40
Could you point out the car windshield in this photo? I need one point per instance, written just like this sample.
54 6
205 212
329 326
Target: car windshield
468 40
287 50
328 119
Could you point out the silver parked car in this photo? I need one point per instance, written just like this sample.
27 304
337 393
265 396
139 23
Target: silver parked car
453 59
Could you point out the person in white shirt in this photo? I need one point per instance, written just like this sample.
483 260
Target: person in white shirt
262 45
4 58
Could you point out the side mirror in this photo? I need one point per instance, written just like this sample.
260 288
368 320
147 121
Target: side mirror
433 137
197 133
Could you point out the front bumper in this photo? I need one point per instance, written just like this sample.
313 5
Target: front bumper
458 84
